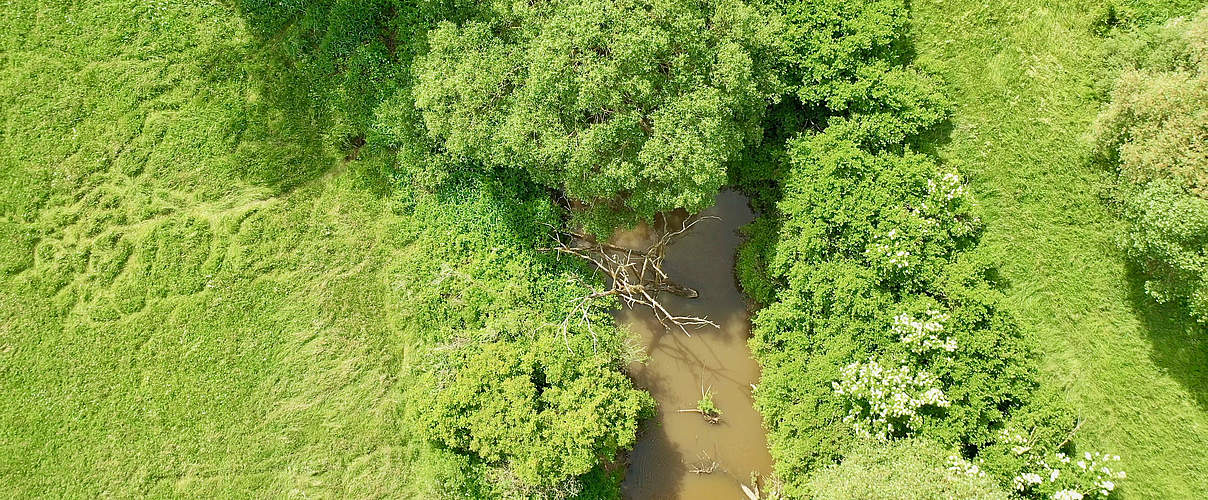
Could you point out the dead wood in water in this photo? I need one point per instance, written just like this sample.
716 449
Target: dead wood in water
706 465
711 418
705 406
636 275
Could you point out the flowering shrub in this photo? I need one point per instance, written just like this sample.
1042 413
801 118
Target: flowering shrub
1056 475
1064 478
885 402
922 335
958 465
903 469
930 222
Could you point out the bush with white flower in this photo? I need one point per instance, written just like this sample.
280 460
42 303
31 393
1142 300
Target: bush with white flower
1060 476
892 249
960 466
923 334
910 243
885 401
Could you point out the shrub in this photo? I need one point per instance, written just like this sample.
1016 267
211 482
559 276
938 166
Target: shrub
1154 134
1167 237
906 469
545 414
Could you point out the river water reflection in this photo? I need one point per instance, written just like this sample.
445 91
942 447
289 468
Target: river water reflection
671 445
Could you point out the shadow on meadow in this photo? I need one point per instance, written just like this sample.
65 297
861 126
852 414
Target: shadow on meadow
317 73
1179 345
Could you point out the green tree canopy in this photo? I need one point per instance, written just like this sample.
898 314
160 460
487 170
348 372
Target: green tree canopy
631 107
1154 134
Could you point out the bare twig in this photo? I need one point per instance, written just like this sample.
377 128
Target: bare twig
705 465
1070 437
636 275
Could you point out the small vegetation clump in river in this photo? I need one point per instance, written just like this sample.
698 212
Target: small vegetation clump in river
706 407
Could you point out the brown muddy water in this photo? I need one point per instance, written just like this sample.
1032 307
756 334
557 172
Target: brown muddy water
674 443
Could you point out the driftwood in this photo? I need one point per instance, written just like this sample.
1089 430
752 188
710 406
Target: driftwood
711 418
705 465
636 276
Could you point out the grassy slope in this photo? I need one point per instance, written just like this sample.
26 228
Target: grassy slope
176 317
1022 74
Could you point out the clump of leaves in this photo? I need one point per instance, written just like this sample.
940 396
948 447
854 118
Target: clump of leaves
706 406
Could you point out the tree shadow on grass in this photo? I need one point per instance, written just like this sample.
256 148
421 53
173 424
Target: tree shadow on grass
315 76
1179 345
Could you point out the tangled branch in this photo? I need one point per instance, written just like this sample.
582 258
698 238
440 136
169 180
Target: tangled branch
636 276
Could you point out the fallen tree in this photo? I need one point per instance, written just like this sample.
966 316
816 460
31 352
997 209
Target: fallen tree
635 276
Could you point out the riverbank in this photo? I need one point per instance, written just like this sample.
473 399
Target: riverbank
1022 76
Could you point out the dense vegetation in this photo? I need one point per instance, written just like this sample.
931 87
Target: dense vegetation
1027 79
629 107
276 248
1154 134
879 323
908 469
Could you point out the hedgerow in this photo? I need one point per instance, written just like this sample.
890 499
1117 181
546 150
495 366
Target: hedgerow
881 320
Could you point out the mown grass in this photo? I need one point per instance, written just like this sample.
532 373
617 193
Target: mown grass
1027 77
194 295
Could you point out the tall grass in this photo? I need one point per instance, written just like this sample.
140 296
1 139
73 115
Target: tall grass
1027 77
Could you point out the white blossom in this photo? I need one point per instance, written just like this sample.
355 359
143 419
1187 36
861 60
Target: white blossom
1089 478
959 465
923 334
1067 495
882 397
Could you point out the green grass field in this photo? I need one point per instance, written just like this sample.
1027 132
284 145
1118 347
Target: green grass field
1025 79
193 293
198 294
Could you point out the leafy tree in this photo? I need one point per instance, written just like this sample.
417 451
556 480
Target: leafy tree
1154 134
631 107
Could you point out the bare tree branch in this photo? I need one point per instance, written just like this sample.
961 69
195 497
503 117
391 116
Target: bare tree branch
636 275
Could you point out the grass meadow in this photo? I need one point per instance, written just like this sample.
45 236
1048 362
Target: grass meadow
197 292
194 290
1027 78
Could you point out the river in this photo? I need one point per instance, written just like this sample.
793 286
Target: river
674 443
